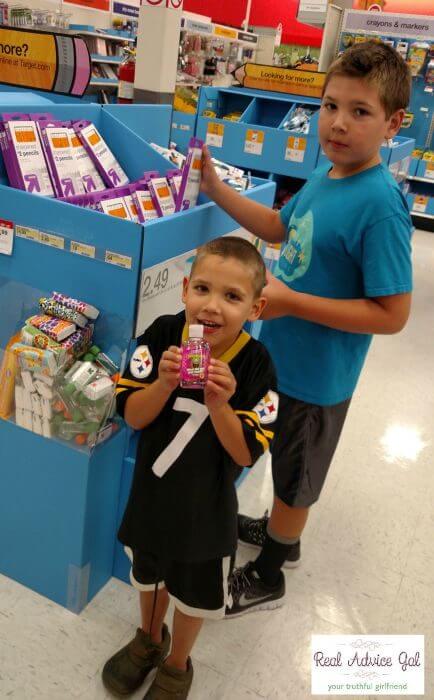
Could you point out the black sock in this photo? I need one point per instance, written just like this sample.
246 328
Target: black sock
270 560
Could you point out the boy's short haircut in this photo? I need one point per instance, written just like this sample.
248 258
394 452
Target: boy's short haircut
380 65
241 250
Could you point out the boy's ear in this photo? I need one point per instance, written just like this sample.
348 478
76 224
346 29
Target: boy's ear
257 309
185 282
394 123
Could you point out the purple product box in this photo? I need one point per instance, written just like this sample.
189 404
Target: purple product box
105 162
56 141
191 176
161 194
9 155
27 155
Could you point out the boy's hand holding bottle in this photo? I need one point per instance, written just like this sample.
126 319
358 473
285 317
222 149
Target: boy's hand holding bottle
169 368
220 386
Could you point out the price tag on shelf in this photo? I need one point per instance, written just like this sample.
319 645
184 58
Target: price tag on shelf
215 134
429 171
31 234
52 240
88 251
6 237
254 142
420 203
117 259
295 149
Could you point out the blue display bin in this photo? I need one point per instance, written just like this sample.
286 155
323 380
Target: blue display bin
414 162
258 141
59 505
183 129
421 204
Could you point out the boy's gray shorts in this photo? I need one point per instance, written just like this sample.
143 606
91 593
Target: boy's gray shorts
305 440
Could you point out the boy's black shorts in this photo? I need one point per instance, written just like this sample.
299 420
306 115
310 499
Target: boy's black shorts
199 589
306 438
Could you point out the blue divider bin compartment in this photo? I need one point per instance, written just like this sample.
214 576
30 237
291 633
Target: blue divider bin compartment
258 138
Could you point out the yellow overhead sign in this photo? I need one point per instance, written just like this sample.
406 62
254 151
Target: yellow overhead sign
289 80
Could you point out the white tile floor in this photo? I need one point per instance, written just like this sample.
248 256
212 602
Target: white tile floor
368 559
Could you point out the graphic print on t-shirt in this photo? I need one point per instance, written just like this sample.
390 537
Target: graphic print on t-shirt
296 255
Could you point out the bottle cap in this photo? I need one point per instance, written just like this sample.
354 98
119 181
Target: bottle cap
196 331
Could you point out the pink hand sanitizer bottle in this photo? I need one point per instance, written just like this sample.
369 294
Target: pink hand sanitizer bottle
195 359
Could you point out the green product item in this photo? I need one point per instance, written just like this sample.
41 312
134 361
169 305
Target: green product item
95 350
88 357
77 415
69 389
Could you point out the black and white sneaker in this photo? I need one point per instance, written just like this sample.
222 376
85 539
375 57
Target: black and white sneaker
248 593
252 531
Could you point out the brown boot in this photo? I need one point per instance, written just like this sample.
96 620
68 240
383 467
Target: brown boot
170 683
128 668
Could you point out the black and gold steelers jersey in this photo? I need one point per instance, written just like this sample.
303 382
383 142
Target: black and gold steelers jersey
183 503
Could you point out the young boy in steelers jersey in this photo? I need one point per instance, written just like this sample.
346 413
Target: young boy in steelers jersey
180 523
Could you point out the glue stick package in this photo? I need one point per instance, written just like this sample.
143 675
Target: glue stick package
114 206
92 180
174 178
60 157
191 176
27 158
104 160
161 194
142 199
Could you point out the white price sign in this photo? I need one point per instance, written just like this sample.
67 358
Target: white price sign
215 135
295 149
6 237
254 142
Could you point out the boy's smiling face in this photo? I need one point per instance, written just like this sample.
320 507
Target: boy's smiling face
353 124
220 296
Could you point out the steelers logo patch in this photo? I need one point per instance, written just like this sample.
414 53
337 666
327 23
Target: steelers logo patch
141 363
268 407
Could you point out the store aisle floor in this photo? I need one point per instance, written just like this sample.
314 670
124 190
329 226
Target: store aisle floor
367 554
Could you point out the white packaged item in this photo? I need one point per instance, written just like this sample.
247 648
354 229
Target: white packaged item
191 176
43 390
27 420
27 400
26 376
49 381
19 399
161 194
37 424
99 389
19 417
115 206
47 410
36 404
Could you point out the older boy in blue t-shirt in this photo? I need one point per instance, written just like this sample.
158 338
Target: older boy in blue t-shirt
344 273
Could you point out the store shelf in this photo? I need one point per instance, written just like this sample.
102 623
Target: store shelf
96 58
422 216
104 82
103 35
428 180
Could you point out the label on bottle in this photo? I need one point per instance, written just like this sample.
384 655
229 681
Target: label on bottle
194 364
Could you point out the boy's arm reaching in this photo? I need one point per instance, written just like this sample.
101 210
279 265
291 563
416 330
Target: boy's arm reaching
257 218
383 314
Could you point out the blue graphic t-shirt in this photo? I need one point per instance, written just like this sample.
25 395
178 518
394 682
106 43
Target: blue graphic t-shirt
346 239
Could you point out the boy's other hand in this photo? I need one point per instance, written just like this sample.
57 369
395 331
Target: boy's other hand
221 384
169 368
210 178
